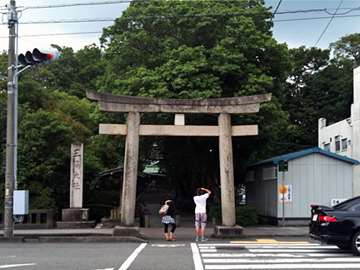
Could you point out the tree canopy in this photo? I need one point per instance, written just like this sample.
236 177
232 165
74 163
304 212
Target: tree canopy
197 50
174 49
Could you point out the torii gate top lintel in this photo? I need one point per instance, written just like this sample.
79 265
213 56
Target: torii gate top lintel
234 105
136 105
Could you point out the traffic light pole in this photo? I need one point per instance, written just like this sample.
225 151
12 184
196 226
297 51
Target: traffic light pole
10 135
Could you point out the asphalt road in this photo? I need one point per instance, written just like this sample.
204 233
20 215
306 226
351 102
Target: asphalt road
279 253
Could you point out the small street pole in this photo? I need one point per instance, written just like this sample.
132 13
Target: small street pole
10 135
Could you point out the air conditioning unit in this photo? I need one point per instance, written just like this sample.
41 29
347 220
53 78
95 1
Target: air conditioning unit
336 201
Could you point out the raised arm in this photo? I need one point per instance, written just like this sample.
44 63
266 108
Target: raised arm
206 190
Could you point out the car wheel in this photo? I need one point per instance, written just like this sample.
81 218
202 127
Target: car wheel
355 243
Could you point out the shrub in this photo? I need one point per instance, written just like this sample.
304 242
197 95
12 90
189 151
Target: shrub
245 215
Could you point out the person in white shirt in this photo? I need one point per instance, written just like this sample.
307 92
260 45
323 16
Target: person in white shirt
200 212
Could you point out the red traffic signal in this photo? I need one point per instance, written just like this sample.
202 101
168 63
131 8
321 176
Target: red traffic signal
39 57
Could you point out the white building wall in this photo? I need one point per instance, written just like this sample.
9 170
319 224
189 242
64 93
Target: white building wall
328 134
347 129
315 179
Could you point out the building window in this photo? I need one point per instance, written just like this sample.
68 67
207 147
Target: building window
344 144
337 143
269 173
327 147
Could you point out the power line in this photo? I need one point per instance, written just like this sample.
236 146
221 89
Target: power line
99 32
276 10
71 21
316 18
96 32
77 4
59 34
328 24
172 16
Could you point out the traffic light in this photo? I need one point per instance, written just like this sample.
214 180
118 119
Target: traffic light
39 57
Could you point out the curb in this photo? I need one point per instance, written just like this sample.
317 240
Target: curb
90 239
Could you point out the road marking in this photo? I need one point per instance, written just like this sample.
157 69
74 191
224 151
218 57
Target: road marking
285 260
16 265
268 241
132 257
286 266
196 257
164 245
271 255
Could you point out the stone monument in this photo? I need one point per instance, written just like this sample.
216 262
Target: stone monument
76 216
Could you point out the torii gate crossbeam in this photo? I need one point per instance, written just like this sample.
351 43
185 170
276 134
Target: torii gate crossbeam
224 107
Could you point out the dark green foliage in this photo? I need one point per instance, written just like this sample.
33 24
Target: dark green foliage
245 215
317 88
170 49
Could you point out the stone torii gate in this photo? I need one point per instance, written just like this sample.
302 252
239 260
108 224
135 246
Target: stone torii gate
224 107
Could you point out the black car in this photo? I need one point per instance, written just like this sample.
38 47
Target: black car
338 225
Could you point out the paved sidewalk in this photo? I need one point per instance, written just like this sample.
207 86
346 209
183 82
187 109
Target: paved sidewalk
146 234
184 231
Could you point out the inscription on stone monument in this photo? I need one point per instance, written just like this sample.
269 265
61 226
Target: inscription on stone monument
76 181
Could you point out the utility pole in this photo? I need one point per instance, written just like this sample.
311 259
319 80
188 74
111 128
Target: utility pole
10 135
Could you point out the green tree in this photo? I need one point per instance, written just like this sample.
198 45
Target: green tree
196 50
347 47
318 87
77 71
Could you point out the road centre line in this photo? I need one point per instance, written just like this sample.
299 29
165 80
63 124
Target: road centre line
196 257
132 257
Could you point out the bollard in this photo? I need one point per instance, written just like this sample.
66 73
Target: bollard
147 221
177 220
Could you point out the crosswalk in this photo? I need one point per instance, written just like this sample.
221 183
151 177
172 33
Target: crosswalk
275 256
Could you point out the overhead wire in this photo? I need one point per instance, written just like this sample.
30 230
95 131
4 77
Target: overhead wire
338 15
276 10
328 24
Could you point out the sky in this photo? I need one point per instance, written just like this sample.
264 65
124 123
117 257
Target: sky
301 25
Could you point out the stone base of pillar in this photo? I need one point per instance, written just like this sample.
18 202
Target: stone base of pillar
75 218
75 214
75 224
126 231
228 231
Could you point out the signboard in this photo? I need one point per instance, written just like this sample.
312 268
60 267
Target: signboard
285 194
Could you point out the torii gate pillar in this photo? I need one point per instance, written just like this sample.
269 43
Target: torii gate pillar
226 170
130 170
224 107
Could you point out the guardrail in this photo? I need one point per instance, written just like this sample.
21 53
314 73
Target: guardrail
36 219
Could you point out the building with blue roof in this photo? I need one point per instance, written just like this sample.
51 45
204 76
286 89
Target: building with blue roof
282 188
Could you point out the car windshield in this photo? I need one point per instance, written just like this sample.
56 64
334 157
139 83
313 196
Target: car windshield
347 204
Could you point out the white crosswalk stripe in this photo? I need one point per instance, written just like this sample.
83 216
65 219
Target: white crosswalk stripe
276 256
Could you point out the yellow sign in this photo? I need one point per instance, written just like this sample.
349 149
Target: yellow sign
285 194
283 189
